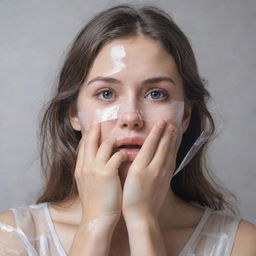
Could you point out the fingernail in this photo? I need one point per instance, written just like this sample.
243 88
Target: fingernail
161 124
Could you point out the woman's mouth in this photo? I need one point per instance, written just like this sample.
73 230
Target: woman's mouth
131 150
131 146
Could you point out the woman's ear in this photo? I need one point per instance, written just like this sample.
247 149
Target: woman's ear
187 115
73 117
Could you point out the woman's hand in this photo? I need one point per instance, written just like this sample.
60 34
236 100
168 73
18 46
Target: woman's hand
149 176
97 177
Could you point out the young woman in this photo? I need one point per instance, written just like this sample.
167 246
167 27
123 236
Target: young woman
129 106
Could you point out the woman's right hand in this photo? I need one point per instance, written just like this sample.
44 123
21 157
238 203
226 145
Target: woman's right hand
97 177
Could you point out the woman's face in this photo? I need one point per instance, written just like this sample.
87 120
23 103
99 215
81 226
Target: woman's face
127 103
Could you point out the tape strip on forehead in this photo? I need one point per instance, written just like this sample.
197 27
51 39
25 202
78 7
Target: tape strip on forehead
117 53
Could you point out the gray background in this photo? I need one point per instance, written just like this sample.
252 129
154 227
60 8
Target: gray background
34 40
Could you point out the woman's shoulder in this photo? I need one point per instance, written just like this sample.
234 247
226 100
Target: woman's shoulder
20 228
19 216
242 230
245 240
7 217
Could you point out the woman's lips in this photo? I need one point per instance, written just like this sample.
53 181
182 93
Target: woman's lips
135 144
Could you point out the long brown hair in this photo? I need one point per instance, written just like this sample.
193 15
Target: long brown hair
59 140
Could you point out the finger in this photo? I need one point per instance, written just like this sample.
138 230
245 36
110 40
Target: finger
105 150
148 148
116 160
80 143
92 141
165 149
80 154
171 160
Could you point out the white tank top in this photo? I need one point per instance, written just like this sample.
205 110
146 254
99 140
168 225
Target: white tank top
35 234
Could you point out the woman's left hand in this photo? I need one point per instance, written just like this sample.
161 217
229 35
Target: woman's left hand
148 178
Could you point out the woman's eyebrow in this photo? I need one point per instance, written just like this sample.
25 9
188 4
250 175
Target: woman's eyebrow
152 80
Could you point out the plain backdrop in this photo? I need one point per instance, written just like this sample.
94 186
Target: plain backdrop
34 37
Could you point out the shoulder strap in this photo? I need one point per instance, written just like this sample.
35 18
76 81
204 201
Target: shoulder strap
30 219
214 235
219 232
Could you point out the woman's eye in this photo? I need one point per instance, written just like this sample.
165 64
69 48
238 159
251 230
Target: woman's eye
105 94
157 94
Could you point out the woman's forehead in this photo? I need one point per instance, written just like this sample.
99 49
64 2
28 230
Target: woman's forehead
139 57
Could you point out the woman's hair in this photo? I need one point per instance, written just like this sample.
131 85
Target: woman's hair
59 141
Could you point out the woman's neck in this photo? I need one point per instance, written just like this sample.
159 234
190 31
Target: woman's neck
173 214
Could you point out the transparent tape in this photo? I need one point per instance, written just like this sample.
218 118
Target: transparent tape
148 112
32 234
14 242
117 53
193 150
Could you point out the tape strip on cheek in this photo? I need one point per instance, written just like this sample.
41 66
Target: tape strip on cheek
173 112
99 115
110 113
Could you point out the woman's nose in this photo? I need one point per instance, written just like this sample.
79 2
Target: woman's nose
131 120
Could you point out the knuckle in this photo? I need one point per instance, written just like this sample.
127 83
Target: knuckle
151 148
138 175
173 129
107 174
108 142
93 169
165 147
103 173
155 168
91 139
156 174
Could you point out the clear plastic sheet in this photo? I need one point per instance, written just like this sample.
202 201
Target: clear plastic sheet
147 111
14 242
35 234
32 235
213 236
193 150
